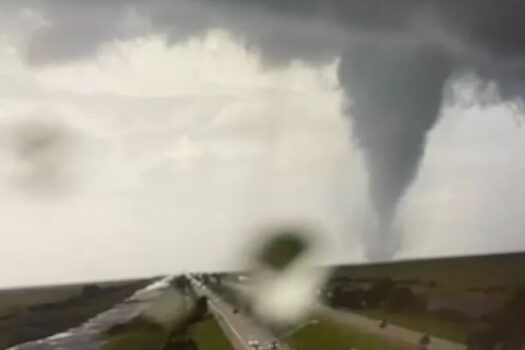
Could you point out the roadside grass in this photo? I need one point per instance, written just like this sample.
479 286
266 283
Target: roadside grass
209 336
329 334
448 329
139 339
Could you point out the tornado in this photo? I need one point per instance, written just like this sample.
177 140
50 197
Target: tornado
394 92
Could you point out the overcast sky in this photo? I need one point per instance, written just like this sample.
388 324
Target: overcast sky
142 148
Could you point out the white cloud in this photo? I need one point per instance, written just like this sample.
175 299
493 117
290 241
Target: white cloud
188 151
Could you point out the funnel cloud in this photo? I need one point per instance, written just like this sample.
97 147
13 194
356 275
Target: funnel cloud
396 90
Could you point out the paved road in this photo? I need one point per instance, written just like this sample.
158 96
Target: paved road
239 328
397 334
85 337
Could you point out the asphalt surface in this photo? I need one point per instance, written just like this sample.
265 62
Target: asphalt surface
397 334
239 328
86 336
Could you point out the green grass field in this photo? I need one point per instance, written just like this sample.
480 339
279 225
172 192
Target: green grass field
493 277
447 329
460 272
209 336
139 336
328 334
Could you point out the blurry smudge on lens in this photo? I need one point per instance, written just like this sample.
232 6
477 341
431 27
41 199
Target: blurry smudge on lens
42 154
284 283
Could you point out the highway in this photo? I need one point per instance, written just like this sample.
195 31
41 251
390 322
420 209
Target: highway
397 334
240 329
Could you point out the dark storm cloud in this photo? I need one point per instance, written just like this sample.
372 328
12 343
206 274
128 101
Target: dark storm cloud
396 57
75 30
78 29
280 30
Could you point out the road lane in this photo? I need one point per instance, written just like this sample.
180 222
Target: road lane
239 328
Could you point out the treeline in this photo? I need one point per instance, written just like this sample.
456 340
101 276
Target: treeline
384 294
